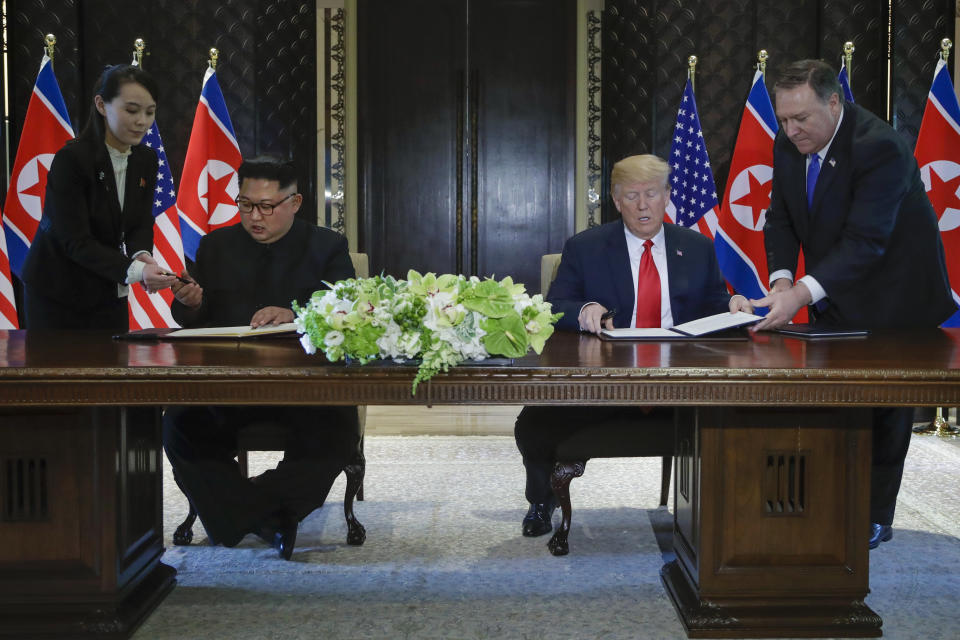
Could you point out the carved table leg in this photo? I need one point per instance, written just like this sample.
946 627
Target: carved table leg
356 534
184 533
563 473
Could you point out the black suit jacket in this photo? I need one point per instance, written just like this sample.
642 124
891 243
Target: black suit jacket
595 267
871 238
240 275
76 256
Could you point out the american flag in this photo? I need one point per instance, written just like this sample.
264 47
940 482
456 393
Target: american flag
153 310
693 200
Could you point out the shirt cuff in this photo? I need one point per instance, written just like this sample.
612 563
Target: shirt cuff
135 271
782 273
816 291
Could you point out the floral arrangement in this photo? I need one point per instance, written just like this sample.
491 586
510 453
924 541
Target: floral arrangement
439 320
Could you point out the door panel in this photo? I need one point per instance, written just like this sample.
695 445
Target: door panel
466 134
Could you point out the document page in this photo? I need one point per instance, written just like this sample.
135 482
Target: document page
232 332
719 322
639 334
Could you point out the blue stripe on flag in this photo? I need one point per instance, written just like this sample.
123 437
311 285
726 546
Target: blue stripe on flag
942 90
759 99
47 85
214 97
16 250
191 240
737 272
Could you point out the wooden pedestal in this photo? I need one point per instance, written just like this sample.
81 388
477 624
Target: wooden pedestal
771 523
80 521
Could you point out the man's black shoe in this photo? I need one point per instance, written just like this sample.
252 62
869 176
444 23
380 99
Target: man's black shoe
279 530
286 535
537 521
879 533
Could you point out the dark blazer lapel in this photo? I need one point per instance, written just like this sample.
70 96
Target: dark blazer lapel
618 265
677 265
136 183
107 186
792 170
835 156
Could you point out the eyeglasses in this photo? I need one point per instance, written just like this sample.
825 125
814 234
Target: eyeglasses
265 208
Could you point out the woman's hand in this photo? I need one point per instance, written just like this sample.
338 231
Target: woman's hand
154 278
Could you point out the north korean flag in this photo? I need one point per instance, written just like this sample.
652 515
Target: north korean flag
743 211
938 155
45 129
209 186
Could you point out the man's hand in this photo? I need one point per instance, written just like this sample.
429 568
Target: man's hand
589 318
271 315
189 294
740 303
783 304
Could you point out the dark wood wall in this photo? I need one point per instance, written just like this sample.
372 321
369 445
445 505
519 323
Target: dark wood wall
646 44
267 67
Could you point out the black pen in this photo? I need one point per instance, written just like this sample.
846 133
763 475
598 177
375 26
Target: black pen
180 278
608 314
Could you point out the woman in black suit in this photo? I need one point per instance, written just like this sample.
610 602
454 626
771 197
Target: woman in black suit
96 232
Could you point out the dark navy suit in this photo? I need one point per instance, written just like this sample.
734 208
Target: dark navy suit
871 241
595 267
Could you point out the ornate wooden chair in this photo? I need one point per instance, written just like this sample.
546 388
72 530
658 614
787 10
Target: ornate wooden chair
270 437
653 436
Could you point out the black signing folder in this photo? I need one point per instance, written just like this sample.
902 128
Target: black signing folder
815 332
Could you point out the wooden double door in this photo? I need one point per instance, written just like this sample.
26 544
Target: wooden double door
466 134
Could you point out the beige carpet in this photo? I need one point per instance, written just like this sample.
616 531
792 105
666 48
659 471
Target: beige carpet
444 557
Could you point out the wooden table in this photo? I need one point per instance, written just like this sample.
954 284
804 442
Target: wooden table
772 472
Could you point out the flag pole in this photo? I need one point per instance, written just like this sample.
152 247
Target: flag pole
848 50
214 54
945 46
138 47
762 62
692 72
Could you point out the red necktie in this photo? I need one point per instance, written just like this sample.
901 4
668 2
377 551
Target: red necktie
648 289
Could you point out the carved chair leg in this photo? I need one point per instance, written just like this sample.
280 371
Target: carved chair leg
665 479
242 461
563 473
360 490
356 534
184 533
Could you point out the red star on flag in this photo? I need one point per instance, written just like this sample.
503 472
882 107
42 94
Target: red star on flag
217 192
758 198
38 188
943 193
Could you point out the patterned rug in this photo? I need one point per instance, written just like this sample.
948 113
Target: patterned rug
444 557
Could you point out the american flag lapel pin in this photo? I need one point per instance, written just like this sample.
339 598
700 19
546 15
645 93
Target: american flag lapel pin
143 183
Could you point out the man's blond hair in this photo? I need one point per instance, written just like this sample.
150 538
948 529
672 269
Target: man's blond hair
641 168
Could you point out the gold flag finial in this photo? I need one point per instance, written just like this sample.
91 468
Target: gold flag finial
848 50
762 61
214 54
692 71
945 46
138 47
49 42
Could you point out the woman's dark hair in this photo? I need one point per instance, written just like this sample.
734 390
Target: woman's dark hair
107 87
